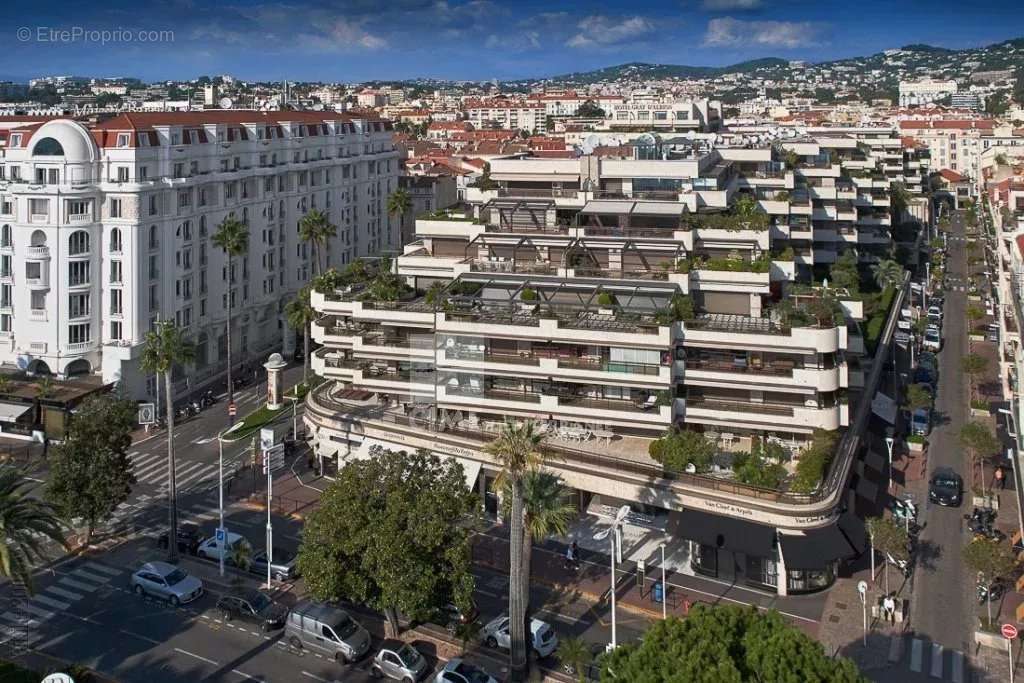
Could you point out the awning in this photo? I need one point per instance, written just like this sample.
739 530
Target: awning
658 209
884 407
854 529
607 206
10 412
471 468
817 548
722 532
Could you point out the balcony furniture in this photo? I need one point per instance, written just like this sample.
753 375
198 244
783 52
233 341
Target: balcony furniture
651 401
604 435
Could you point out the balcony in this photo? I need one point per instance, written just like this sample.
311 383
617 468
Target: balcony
726 331
770 375
545 193
37 253
754 415
78 347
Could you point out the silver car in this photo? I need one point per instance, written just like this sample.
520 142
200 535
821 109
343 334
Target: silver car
163 580
460 671
282 565
400 662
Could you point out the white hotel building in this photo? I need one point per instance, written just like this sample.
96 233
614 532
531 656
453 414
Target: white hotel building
557 306
106 227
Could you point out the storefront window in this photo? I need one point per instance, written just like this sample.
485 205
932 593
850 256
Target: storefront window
808 580
762 571
705 560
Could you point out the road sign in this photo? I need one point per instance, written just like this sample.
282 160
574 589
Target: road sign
273 457
232 409
147 413
220 535
1009 631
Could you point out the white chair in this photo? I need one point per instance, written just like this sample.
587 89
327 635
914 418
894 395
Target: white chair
651 401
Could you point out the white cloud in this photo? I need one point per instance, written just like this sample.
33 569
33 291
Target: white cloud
729 32
602 31
519 42
729 5
352 34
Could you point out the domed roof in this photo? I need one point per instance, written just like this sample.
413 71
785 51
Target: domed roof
65 138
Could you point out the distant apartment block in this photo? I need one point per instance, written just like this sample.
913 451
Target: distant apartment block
917 93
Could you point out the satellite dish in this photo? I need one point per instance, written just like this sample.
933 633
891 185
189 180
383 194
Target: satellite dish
225 103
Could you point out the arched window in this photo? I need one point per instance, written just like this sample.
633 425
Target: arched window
6 237
78 243
47 147
38 238
115 240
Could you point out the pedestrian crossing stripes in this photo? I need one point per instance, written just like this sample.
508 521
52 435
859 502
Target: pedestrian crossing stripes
935 661
151 470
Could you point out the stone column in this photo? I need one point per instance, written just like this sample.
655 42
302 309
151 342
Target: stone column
275 366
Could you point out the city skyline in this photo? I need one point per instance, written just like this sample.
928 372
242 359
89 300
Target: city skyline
474 40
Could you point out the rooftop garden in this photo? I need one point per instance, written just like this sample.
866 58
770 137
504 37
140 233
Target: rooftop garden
464 215
732 263
744 214
360 281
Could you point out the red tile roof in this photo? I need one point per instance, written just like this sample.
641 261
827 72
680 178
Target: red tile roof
971 124
951 175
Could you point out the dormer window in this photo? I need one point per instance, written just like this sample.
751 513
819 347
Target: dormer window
176 138
16 140
122 139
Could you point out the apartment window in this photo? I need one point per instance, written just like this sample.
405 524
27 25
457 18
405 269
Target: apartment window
6 239
661 116
39 208
115 241
176 138
78 208
122 140
116 303
143 172
115 330
33 269
78 243
6 205
6 297
6 322
16 140
78 273
115 208
116 274
38 300
79 334
202 197
122 174
78 305
154 298
202 308
184 199
179 170
154 205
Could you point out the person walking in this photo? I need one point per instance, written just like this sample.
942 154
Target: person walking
572 556
1000 478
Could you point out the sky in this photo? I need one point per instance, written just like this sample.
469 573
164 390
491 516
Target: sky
359 40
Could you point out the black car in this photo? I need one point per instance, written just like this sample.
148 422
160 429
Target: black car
255 607
946 487
189 538
923 375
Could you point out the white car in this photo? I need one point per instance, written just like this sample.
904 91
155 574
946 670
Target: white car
211 548
932 338
542 636
935 311
460 671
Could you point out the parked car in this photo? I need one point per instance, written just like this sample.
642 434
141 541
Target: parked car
254 607
400 662
542 636
932 338
460 671
450 616
921 422
946 487
930 361
163 580
934 312
326 630
212 549
922 375
189 538
282 564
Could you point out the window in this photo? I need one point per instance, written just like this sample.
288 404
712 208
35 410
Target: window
154 298
78 305
38 300
122 139
122 174
47 147
115 208
116 274
115 330
79 334
6 240
39 208
78 273
154 205
78 243
78 208
179 170
116 302
115 241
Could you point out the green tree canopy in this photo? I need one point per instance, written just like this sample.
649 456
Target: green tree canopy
725 644
814 460
679 448
25 521
389 534
989 559
590 110
917 397
90 472
844 273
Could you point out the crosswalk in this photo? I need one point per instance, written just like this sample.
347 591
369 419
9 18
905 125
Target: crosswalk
926 658
23 613
190 475
146 515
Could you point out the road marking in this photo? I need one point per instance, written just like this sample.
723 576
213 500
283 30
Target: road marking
245 675
38 611
916 655
19 619
66 581
314 676
956 666
936 670
103 569
50 602
89 575
192 654
64 593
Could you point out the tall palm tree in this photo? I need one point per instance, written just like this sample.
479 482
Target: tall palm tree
232 237
399 202
316 229
517 450
300 315
547 511
165 347
24 520
888 273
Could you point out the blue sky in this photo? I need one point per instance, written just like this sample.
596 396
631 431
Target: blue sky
354 40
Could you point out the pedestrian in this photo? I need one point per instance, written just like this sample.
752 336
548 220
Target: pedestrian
889 607
571 554
1000 478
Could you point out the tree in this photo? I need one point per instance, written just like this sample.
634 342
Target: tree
992 560
390 533
517 450
24 522
484 182
399 202
814 460
917 398
679 449
899 200
575 656
973 365
977 438
547 511
300 315
164 348
725 644
315 229
844 273
762 466
996 104
887 273
231 237
890 539
90 471
590 110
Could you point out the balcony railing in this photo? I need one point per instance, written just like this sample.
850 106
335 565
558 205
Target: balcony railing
495 394
488 357
740 407
606 365
744 369
537 192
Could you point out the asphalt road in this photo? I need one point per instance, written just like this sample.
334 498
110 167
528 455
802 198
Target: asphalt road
942 608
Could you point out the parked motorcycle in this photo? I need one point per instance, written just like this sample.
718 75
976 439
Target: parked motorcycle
208 399
903 565
993 593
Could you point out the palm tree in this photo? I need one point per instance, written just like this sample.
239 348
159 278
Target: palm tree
300 315
547 511
888 273
517 450
899 199
399 202
24 521
164 348
575 656
316 229
232 237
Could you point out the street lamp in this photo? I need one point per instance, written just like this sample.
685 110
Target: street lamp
889 441
221 531
611 533
664 589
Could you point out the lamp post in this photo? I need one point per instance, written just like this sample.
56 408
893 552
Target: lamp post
889 441
664 589
220 486
611 533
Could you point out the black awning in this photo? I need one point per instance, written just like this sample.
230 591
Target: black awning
819 547
855 531
719 531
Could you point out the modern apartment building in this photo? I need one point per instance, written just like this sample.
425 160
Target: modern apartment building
663 114
917 93
107 226
506 114
954 143
610 300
